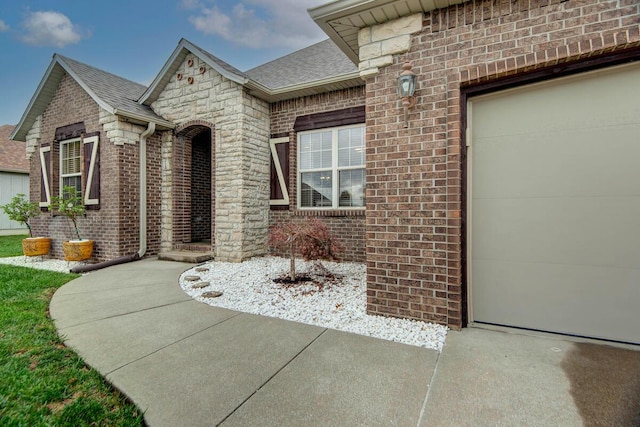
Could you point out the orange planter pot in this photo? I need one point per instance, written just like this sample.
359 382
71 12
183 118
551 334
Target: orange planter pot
77 250
36 246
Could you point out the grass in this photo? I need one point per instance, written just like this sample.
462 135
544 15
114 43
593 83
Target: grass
11 245
42 382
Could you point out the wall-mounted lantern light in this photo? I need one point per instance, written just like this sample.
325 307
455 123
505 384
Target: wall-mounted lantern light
406 89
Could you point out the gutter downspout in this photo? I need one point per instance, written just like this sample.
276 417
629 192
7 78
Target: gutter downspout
151 128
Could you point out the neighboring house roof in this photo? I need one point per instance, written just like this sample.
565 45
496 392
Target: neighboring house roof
341 20
113 93
13 154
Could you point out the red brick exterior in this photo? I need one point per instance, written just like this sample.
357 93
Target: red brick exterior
348 226
193 178
114 227
415 188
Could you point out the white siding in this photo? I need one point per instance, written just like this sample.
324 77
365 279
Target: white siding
10 185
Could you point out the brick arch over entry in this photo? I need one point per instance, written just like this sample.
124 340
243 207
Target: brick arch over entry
194 189
193 127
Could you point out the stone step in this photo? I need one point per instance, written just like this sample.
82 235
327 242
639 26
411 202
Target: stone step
186 256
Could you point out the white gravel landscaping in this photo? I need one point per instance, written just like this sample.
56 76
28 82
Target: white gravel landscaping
41 263
340 304
249 287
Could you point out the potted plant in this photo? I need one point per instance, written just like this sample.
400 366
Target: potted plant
70 204
20 209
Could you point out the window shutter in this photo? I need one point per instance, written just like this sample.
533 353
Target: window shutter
279 173
91 176
45 178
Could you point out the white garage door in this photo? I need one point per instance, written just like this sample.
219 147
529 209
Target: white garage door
554 206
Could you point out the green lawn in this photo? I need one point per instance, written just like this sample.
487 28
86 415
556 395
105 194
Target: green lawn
11 245
42 382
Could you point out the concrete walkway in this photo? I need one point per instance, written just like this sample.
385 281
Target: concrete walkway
186 363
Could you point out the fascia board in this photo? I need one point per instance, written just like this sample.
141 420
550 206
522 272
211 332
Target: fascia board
143 119
222 71
253 85
166 68
19 134
172 65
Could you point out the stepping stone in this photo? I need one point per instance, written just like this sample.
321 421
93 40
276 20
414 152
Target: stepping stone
211 294
191 278
200 285
202 269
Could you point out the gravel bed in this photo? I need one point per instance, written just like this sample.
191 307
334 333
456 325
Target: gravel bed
40 263
339 303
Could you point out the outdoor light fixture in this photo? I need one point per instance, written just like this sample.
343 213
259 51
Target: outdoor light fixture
406 89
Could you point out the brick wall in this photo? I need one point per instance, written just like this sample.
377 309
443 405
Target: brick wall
115 226
414 175
347 226
201 187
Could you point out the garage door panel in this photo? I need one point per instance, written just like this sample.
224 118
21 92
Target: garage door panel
554 198
601 298
579 163
599 231
571 103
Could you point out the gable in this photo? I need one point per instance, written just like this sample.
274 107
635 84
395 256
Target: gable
60 111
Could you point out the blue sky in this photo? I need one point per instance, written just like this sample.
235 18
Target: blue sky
134 38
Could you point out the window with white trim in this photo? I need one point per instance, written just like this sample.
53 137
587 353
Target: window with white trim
331 168
70 172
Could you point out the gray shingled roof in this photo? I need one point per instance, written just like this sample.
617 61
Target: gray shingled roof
121 94
220 62
320 67
317 62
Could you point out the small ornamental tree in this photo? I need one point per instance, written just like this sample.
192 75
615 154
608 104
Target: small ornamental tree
20 209
70 204
311 239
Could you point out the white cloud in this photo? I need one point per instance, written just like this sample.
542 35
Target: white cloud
3 26
49 28
259 23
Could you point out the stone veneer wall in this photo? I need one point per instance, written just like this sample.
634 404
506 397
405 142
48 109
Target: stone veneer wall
114 227
414 175
241 154
348 226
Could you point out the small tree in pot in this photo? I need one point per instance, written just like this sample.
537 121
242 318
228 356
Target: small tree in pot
70 204
21 210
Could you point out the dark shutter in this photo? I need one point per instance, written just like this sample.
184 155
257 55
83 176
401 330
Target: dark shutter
45 176
91 172
279 199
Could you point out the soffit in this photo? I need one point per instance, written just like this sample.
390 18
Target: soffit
342 19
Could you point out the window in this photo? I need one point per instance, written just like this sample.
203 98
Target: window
331 168
70 173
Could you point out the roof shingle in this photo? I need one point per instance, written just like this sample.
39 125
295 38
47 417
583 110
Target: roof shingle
13 155
317 62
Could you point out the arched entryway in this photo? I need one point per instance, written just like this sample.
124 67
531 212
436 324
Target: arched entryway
194 189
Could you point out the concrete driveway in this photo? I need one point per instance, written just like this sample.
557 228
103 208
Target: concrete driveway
187 363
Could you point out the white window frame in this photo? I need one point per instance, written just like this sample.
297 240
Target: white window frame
335 170
68 175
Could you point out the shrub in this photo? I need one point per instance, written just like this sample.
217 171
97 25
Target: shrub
20 209
311 239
